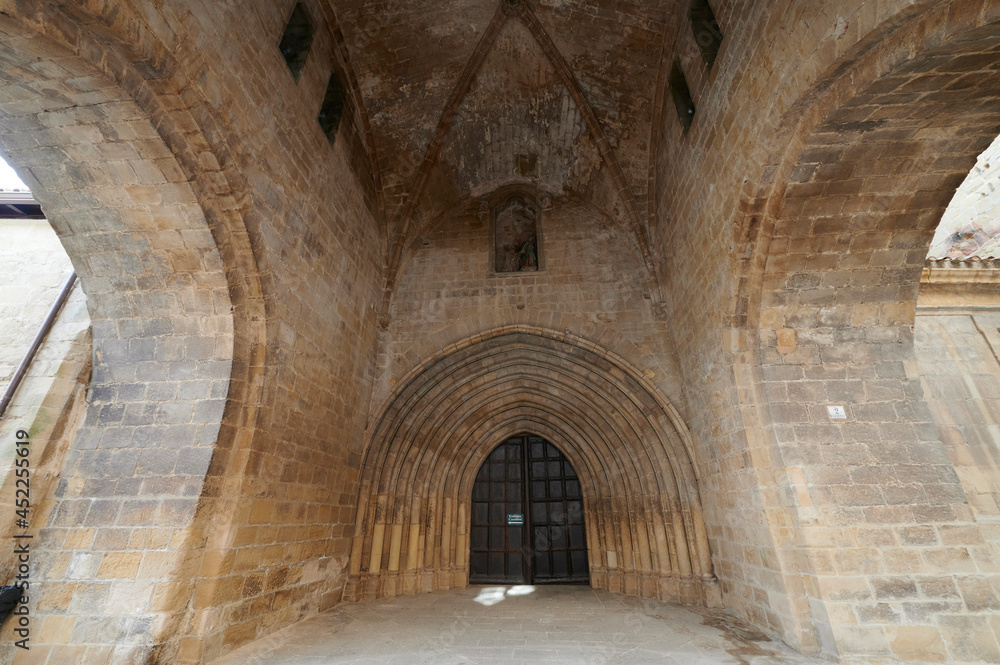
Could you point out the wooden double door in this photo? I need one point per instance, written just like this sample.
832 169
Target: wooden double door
527 517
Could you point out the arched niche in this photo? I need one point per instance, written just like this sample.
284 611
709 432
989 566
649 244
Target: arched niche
516 225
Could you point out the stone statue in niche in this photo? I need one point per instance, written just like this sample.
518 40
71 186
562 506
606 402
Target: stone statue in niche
516 239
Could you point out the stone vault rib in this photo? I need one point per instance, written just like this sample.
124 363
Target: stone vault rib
403 225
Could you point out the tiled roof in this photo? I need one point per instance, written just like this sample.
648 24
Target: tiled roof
972 242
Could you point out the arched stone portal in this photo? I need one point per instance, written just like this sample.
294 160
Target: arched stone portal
646 535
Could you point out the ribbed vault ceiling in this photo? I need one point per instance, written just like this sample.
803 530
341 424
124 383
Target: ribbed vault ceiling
471 95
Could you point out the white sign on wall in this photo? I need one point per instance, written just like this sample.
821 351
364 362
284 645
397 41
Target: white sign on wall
836 412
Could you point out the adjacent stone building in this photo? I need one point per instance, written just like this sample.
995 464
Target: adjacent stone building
336 252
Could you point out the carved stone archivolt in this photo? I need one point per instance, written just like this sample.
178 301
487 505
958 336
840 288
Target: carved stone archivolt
646 535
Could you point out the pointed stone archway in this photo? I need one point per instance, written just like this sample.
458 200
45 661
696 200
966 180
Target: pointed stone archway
646 535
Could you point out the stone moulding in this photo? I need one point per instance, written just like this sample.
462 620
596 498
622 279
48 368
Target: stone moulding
645 529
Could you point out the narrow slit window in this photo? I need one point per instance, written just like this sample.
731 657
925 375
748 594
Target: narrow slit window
333 107
297 39
706 30
682 96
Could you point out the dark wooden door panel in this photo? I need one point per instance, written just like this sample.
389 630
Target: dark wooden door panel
496 547
528 480
559 547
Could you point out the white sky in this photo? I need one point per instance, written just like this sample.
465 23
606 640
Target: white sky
9 179
975 209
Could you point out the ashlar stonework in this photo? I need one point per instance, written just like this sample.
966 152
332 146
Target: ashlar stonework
309 328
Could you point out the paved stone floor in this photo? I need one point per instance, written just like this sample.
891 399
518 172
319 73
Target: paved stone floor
516 626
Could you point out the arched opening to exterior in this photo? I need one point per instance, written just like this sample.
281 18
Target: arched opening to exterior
528 518
956 332
163 338
131 148
157 267
45 352
830 298
645 530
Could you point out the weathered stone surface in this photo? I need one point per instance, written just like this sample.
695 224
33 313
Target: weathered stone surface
302 347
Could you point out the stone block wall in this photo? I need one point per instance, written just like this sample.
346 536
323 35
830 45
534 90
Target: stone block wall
959 370
836 312
207 335
592 284
161 327
781 69
707 181
956 360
